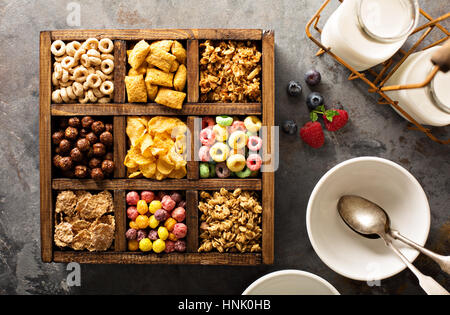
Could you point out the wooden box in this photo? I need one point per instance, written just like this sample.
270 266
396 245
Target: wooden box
119 184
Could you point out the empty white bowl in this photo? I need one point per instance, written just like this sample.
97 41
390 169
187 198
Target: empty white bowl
383 182
290 282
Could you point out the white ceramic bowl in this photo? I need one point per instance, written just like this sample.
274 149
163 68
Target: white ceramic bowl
381 181
290 282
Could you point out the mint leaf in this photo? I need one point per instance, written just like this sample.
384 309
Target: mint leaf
329 114
313 116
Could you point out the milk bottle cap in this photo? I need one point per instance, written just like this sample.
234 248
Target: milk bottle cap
440 90
388 20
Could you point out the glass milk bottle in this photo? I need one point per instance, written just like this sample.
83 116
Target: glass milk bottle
428 105
365 33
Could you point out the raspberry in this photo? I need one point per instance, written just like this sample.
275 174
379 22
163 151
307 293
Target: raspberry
312 134
337 121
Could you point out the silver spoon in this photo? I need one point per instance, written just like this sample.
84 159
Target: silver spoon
368 219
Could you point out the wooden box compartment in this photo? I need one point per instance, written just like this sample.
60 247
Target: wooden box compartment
118 110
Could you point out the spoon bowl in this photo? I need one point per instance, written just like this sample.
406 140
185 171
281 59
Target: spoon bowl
363 216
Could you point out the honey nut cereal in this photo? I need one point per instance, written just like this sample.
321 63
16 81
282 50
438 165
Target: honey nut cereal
230 221
83 72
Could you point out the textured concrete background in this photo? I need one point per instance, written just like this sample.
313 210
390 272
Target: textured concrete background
373 130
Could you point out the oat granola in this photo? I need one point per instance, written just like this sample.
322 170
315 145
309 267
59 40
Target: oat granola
230 221
230 71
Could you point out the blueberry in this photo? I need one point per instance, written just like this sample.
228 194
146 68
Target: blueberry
294 88
314 100
290 127
312 77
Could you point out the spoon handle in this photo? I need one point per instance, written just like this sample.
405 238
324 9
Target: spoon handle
428 284
442 261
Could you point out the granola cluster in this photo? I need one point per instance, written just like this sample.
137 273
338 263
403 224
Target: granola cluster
230 221
230 71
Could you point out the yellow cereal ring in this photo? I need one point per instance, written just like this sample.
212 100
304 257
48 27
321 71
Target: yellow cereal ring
97 93
85 61
106 56
221 133
90 43
95 61
70 92
93 53
65 76
84 99
107 66
92 98
219 152
72 47
56 96
58 48
67 62
57 70
77 89
106 45
55 81
236 162
64 95
237 140
107 88
80 52
252 123
93 80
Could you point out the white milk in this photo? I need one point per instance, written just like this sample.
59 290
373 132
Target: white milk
365 33
429 105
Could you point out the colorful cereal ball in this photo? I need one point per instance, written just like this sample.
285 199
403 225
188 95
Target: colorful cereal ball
133 245
145 245
180 230
142 221
153 235
159 245
132 213
170 224
132 198
179 214
176 197
152 222
148 196
161 215
180 246
154 205
163 233
170 246
142 207
133 225
131 234
141 234
167 203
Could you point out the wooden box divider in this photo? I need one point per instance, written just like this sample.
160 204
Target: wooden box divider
120 68
192 164
120 215
192 221
119 184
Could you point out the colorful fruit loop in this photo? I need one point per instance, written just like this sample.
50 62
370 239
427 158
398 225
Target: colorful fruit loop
230 147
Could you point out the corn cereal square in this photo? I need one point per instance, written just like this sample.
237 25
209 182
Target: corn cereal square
179 52
179 80
138 54
158 77
170 98
136 90
163 45
161 59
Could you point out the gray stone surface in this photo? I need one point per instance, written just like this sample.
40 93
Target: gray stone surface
373 130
